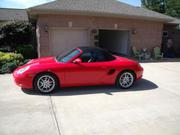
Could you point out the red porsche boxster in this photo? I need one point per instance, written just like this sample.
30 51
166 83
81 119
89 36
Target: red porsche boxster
83 66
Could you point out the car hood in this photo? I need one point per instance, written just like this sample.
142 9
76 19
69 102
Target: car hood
43 63
43 60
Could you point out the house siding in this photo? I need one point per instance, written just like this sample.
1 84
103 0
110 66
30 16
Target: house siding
148 34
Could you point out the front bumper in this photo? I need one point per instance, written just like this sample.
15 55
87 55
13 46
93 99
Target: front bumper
23 80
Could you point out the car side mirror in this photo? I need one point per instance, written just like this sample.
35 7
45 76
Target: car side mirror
77 61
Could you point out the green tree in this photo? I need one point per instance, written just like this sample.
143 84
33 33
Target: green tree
14 34
168 7
151 4
173 8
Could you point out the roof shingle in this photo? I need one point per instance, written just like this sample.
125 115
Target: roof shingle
98 7
13 14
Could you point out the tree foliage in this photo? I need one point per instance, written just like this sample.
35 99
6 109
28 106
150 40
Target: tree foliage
173 8
168 7
14 34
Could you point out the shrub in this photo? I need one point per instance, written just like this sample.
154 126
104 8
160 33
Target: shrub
26 61
1 54
27 51
8 67
18 36
16 33
10 57
10 61
5 49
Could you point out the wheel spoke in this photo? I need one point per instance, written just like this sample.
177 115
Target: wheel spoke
46 83
126 79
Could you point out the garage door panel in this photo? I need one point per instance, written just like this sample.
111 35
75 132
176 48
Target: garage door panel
62 40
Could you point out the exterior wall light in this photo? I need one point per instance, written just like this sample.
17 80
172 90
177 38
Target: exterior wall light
94 31
46 28
134 31
70 24
115 26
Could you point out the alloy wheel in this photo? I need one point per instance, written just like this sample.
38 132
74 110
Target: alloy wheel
126 79
46 83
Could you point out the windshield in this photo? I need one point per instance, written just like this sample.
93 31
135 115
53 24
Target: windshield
68 56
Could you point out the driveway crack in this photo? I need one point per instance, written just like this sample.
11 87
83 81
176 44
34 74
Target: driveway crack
54 114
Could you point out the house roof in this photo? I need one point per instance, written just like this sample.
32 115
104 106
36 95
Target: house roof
175 22
7 14
112 8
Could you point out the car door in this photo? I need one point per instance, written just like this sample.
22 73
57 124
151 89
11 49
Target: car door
85 73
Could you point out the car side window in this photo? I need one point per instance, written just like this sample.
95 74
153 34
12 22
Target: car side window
86 57
98 57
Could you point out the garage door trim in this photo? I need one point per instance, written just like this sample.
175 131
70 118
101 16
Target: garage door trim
68 28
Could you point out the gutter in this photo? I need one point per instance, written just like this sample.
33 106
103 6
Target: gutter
34 14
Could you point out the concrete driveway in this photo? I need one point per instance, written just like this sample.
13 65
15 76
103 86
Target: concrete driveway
151 107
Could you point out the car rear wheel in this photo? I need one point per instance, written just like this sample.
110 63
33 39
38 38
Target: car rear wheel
125 79
45 83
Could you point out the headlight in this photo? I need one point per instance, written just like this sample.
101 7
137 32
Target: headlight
22 70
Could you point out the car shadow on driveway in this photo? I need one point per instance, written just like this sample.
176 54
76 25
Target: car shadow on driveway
140 85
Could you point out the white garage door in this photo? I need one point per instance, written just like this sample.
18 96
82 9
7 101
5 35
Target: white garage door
62 40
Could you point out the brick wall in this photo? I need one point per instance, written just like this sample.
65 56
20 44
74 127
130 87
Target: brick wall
147 34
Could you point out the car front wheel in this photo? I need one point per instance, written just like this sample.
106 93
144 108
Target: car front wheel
125 80
45 83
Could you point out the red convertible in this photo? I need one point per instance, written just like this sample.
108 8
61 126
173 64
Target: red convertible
83 66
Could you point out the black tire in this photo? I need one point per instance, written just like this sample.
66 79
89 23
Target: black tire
125 84
45 83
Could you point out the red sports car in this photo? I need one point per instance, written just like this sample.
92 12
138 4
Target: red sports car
83 66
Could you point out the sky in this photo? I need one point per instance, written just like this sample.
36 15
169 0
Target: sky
29 3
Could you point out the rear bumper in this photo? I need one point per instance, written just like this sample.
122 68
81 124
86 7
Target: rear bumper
139 73
24 81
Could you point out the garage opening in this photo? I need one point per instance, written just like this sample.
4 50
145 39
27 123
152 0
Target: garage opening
115 41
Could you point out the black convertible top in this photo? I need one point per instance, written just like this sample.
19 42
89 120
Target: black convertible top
98 52
94 49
